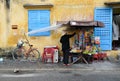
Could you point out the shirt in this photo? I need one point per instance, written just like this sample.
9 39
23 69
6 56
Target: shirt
65 41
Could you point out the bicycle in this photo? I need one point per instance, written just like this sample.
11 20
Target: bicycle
20 53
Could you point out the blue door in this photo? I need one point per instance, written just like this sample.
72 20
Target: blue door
105 33
38 19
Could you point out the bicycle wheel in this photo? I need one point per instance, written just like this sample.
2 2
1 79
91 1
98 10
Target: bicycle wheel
17 54
34 55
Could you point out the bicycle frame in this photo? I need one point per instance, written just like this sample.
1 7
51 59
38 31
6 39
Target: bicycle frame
30 49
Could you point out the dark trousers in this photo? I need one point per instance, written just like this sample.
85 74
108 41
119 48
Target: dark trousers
66 56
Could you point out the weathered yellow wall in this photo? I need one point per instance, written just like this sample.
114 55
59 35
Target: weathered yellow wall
63 10
3 25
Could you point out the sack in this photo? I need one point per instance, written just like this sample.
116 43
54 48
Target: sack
97 40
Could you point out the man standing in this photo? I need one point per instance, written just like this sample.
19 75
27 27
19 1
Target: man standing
66 46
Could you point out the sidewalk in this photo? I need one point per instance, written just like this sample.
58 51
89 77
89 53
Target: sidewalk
24 65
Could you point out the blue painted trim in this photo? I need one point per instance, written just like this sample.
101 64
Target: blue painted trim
106 32
38 19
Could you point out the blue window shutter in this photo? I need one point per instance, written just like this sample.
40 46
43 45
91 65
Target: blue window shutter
38 19
105 33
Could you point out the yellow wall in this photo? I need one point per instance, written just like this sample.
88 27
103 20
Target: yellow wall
3 25
63 10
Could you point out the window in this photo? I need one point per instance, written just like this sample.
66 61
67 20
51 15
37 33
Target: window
38 19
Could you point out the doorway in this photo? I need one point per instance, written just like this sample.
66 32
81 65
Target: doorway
116 29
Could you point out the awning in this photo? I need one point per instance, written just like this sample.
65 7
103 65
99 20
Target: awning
86 23
82 23
113 4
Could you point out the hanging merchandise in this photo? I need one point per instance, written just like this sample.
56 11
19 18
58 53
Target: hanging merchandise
87 38
83 39
92 38
76 43
79 41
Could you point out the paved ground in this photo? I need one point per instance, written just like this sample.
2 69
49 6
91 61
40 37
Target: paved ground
38 71
24 65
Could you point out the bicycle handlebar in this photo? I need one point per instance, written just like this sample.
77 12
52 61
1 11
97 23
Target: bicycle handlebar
22 42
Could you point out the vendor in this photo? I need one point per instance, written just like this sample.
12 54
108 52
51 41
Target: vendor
64 40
